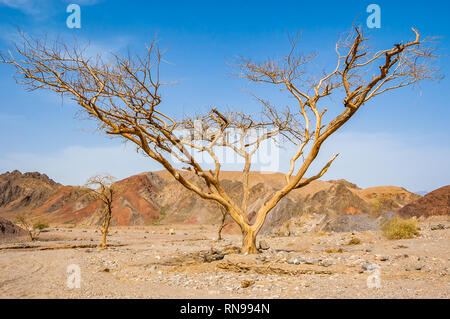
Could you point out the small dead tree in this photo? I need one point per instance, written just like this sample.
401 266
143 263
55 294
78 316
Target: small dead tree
101 188
223 219
123 97
33 229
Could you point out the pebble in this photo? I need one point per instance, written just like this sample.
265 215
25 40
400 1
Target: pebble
294 261
263 245
325 263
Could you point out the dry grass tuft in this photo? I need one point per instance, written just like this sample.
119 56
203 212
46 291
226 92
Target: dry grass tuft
398 228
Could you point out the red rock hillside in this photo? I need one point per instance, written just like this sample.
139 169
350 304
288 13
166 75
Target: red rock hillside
157 198
435 203
135 203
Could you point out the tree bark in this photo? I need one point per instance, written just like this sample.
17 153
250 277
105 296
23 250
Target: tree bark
219 233
105 228
104 234
249 242
222 225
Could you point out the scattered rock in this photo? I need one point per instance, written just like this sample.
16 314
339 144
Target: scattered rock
294 261
438 227
152 268
213 256
354 241
311 261
263 245
350 223
369 267
325 263
231 250
247 283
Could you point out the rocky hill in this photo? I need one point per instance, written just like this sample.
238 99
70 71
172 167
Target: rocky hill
25 190
435 203
155 197
10 230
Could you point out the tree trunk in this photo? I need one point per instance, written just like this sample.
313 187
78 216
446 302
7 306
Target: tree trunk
222 225
249 242
219 233
105 228
104 234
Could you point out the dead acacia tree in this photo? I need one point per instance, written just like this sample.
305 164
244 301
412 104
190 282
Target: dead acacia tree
123 97
101 188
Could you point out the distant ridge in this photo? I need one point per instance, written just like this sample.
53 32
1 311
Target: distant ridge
155 197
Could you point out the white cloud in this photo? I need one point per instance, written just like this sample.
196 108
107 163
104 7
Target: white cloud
38 7
27 6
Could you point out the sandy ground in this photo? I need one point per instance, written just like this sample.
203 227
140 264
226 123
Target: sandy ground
149 262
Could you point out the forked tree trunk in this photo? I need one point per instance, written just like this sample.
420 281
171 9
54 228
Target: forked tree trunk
219 233
105 226
249 242
104 234
222 225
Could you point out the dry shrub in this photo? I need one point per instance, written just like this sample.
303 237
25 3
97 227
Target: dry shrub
40 225
398 228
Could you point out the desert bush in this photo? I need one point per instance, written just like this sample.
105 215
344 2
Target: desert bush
40 226
375 203
397 228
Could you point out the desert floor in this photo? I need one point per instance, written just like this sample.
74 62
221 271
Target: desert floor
153 262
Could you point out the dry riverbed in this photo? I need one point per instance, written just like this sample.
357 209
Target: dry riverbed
156 262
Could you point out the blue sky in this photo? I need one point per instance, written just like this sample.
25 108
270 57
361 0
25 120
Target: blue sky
398 139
